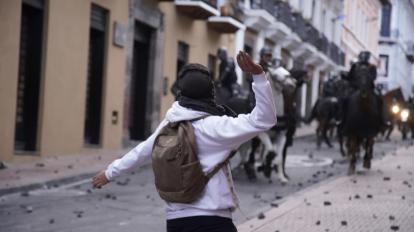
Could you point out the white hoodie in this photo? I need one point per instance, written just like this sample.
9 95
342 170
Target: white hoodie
216 136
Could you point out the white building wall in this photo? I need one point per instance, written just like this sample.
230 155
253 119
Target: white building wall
400 69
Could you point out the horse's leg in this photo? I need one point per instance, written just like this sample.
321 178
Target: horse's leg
249 165
318 135
390 129
270 154
352 152
369 149
284 154
279 147
341 143
324 133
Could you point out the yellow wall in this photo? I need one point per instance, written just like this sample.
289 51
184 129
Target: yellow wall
201 39
64 76
9 59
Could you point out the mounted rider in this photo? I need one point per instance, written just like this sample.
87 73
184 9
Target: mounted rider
362 68
279 79
227 73
361 71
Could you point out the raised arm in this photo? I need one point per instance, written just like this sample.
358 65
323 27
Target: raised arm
229 132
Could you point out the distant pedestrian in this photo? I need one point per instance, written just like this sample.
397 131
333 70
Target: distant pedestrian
216 135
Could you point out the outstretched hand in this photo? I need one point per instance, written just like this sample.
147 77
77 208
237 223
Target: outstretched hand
247 65
99 180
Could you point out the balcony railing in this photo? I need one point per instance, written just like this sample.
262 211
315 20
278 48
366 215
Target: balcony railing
284 14
282 11
334 52
302 27
267 5
322 43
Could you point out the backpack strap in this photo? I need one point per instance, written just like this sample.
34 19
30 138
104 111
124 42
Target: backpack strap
220 165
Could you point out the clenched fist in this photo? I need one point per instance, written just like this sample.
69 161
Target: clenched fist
99 180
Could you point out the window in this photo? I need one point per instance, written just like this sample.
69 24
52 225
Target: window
383 67
182 55
386 20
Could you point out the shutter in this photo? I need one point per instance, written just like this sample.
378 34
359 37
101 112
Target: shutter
38 4
98 18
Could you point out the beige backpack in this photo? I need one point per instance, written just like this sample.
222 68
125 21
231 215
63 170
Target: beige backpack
178 174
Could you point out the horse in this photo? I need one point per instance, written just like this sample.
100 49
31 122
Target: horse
362 122
284 131
328 111
273 142
325 111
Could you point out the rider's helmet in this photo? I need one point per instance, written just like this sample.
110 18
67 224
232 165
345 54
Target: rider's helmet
222 53
265 51
364 56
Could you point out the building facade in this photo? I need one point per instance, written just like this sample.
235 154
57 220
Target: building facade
361 29
396 47
96 74
62 76
194 31
303 34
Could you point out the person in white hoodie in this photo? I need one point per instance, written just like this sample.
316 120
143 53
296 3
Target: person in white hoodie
216 136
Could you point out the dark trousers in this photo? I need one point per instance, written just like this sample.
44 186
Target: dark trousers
201 224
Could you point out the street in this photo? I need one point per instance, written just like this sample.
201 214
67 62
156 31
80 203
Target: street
132 204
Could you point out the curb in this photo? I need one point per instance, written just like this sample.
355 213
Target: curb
47 184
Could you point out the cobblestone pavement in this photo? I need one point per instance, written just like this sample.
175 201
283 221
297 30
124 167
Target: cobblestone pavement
377 200
131 203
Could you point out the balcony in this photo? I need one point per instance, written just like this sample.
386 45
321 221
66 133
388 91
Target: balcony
225 24
228 21
267 5
259 15
284 14
197 9
312 35
334 53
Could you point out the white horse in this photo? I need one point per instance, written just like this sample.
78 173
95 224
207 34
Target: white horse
272 141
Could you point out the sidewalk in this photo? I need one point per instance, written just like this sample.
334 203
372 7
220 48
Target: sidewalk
371 201
53 171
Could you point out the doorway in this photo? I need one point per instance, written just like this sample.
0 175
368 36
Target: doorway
28 87
138 123
96 58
